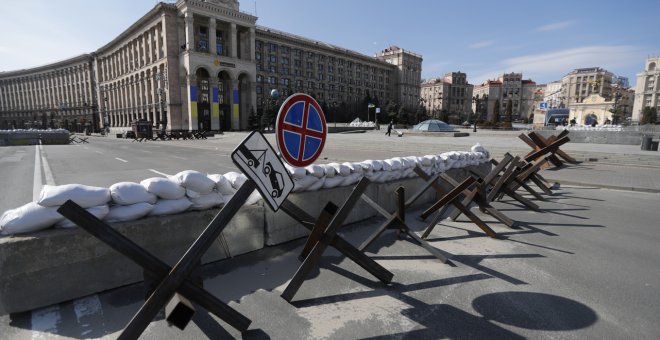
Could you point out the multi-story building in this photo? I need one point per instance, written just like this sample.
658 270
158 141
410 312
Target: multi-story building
58 95
407 77
647 90
450 95
198 65
583 82
331 74
508 87
552 94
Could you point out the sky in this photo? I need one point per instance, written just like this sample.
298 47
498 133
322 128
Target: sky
482 38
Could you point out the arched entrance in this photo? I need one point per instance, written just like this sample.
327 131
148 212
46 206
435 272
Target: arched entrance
591 119
203 100
224 102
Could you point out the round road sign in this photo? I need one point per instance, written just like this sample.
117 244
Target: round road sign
300 130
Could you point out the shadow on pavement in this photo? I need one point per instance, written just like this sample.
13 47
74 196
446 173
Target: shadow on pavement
537 311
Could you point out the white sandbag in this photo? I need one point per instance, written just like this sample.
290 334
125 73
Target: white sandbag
427 160
367 166
315 170
193 194
410 161
375 165
164 187
222 184
207 201
195 180
340 169
254 198
331 182
330 171
353 167
386 166
394 164
301 184
170 207
27 218
84 195
296 173
99 211
127 193
121 213
351 179
236 179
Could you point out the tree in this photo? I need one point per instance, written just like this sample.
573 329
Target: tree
649 115
402 116
391 109
420 114
496 113
508 112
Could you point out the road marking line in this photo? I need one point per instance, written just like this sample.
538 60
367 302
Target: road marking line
121 160
158 172
50 180
36 187
45 320
179 157
97 151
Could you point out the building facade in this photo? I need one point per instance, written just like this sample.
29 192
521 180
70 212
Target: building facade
647 91
58 95
583 82
449 96
198 65
508 87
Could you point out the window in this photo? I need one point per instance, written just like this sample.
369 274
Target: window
284 49
331 69
272 68
258 45
331 77
310 65
320 67
310 54
284 81
285 61
310 85
299 83
297 72
272 58
320 76
310 74
272 80
260 78
296 62
285 70
272 48
257 55
259 89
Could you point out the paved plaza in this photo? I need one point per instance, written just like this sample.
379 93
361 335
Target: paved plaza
583 267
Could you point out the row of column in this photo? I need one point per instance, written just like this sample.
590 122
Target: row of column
136 97
144 50
54 90
212 25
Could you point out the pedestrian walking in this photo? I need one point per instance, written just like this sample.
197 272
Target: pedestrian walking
389 128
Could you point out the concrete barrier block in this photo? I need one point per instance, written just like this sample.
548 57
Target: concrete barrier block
281 228
52 266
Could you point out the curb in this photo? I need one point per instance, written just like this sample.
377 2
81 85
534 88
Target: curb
604 186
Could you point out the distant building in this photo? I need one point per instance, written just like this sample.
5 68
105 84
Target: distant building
199 65
647 90
552 94
509 86
448 96
583 82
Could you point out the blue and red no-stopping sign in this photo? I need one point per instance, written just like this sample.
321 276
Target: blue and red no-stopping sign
301 130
